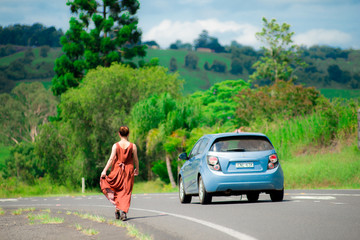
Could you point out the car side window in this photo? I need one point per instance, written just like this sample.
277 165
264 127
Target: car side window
195 149
202 146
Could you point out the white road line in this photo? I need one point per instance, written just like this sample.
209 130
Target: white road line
8 200
229 231
324 194
314 197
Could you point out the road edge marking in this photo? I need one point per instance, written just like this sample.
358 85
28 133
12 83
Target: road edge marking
228 231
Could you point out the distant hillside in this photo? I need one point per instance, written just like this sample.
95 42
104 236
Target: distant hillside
345 74
338 73
28 65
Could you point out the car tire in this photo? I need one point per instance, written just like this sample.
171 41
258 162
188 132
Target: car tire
184 198
253 197
277 195
204 196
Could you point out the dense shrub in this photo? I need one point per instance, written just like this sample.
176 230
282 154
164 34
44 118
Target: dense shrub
191 61
23 163
218 66
236 66
280 100
160 170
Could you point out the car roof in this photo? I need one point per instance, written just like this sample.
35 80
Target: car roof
234 134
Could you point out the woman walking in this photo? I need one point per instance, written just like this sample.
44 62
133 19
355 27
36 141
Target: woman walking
117 186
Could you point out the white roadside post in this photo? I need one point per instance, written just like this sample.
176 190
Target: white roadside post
83 185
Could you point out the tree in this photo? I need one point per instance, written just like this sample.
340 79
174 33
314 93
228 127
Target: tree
35 35
218 66
5 84
280 55
152 44
334 72
173 65
179 45
91 115
28 56
280 100
104 31
28 106
206 41
206 66
44 50
219 103
236 66
191 60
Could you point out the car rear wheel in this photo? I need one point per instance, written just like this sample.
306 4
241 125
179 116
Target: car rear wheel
277 195
253 197
184 198
204 196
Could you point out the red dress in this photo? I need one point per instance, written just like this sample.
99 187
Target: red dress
120 181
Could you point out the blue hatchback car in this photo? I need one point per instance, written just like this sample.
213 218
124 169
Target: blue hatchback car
231 164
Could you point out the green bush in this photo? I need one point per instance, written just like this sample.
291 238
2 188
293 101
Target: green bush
280 100
159 168
23 163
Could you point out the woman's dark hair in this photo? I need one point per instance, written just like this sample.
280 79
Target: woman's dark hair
124 131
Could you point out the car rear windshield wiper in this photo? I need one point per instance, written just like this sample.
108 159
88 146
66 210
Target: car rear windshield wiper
236 150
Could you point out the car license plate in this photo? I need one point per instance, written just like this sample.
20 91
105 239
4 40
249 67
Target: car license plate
244 165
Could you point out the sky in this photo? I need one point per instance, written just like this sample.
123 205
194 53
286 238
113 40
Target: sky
333 23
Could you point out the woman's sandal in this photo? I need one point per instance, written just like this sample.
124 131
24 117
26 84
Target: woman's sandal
123 216
117 214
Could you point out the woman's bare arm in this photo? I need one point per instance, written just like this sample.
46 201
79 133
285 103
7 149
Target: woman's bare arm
136 160
109 162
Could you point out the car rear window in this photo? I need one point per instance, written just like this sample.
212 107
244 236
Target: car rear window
241 144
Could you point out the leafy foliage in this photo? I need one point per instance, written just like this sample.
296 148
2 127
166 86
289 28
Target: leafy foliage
91 114
191 61
104 32
280 55
25 35
219 103
219 66
22 111
23 163
173 65
280 100
206 41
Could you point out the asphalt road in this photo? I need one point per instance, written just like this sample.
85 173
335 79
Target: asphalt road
315 214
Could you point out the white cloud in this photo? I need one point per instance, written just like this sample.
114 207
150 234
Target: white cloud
169 31
323 37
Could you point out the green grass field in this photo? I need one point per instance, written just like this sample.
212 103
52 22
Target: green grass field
198 79
52 55
329 168
341 93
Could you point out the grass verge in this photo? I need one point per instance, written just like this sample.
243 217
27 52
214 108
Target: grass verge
327 168
132 230
86 231
44 218
156 186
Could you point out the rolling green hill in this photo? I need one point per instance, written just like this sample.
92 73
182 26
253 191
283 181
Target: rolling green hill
41 69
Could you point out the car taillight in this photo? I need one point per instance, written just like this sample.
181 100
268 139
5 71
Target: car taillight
213 163
273 161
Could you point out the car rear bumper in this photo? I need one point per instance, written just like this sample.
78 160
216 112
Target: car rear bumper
265 181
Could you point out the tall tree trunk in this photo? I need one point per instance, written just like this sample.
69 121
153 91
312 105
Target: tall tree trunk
168 166
149 171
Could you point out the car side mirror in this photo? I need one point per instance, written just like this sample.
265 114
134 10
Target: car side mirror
183 156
